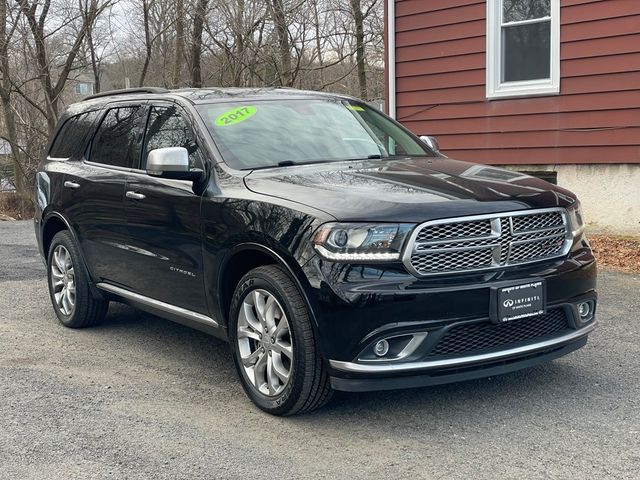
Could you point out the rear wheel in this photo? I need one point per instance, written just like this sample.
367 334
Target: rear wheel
274 346
69 290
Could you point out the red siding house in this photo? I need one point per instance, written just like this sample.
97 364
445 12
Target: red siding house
533 85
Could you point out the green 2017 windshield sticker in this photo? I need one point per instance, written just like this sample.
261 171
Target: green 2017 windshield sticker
355 108
235 115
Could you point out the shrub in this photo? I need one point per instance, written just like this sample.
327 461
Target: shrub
16 206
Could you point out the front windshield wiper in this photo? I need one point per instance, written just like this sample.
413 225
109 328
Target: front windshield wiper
286 163
291 163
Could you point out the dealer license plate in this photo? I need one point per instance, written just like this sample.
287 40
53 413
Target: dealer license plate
520 301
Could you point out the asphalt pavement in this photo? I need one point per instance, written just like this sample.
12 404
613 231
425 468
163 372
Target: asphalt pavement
139 397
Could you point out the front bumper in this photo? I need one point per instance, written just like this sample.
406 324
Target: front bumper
487 367
355 306
464 361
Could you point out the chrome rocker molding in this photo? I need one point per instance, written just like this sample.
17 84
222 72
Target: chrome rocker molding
158 305
461 361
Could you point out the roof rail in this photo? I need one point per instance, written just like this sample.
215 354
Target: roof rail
125 91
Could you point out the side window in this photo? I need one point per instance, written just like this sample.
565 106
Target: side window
395 141
117 142
167 128
71 138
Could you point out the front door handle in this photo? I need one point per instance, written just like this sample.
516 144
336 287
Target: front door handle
73 185
135 195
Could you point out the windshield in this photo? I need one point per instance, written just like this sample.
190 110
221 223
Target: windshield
266 133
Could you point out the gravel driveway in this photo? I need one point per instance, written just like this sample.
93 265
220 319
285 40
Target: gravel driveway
141 397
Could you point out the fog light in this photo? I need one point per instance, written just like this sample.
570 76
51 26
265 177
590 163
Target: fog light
584 309
381 348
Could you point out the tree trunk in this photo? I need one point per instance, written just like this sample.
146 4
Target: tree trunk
284 48
37 29
196 43
316 26
95 62
146 7
12 140
238 32
356 10
179 44
5 101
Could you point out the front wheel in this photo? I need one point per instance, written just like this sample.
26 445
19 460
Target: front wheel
274 346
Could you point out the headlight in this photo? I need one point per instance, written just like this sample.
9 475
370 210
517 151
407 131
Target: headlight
576 221
361 242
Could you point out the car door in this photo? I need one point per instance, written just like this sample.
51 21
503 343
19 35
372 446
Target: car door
94 190
163 219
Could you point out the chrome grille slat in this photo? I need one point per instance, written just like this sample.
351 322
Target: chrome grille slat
477 229
452 261
536 222
456 245
556 232
485 242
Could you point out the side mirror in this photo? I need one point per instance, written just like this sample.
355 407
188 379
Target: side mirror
172 162
431 142
167 161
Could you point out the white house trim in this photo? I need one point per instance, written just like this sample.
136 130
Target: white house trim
496 88
391 57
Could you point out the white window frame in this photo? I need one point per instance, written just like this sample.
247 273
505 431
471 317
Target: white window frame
526 88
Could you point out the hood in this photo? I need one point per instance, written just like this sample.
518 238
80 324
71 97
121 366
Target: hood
407 190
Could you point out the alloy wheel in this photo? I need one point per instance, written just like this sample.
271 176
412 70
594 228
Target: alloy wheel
63 280
264 342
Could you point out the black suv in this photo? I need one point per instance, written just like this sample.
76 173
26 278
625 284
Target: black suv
330 246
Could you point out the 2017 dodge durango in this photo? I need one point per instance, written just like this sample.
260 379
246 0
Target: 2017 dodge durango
330 246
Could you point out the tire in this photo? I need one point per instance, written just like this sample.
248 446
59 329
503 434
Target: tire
66 273
288 348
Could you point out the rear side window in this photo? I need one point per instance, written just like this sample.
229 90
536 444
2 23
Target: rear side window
73 135
168 128
117 141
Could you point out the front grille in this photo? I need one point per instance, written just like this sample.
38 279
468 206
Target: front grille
487 241
475 337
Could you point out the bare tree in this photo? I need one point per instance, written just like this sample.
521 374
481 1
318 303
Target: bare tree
358 18
36 15
47 46
179 44
7 29
148 38
97 42
196 42
284 48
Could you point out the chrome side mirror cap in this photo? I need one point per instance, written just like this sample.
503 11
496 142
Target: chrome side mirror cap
431 142
167 160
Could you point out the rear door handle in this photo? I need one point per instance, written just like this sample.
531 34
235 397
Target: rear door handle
73 185
135 195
